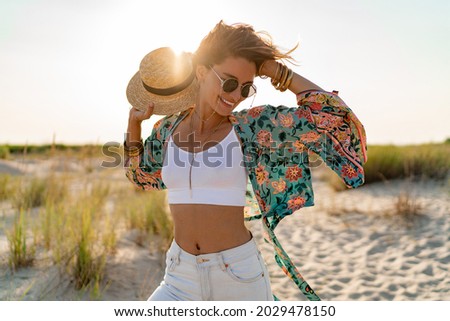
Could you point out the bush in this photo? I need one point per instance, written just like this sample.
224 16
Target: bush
387 162
416 161
4 152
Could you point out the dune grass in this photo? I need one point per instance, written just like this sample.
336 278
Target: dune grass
30 194
21 252
7 151
147 214
428 161
412 164
415 162
76 220
5 188
407 206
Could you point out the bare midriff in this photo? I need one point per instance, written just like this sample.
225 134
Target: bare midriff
204 228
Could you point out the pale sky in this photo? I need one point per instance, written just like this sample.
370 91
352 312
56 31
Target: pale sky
65 64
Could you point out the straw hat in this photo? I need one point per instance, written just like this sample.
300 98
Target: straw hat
165 79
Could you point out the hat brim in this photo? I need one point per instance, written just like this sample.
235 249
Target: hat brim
140 98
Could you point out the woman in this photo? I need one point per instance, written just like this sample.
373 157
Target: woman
213 256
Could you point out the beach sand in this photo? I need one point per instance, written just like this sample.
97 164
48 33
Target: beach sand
351 246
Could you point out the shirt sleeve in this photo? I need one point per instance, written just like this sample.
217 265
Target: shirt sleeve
324 124
333 132
144 170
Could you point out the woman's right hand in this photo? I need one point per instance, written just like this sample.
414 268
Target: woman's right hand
137 116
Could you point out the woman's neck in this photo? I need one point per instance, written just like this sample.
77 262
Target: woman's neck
205 119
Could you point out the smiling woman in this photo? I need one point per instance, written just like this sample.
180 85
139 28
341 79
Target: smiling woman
205 153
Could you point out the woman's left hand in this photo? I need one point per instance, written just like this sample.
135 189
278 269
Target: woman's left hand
268 69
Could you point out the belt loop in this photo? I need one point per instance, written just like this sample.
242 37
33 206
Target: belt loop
222 264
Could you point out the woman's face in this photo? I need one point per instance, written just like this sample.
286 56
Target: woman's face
211 93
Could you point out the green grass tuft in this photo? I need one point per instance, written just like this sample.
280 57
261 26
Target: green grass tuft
21 253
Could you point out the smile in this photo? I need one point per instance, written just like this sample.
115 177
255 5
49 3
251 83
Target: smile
226 102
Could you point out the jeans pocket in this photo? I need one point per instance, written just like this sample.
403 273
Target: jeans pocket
171 263
247 270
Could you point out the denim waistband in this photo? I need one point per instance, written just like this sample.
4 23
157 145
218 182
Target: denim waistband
229 256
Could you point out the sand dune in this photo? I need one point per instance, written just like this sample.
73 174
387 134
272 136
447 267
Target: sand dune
363 251
350 246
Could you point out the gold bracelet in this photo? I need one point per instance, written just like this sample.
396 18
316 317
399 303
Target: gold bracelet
275 79
133 151
285 75
283 71
260 70
288 80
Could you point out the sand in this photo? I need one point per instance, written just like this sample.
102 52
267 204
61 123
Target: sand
351 246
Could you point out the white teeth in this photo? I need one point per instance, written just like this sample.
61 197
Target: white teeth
226 101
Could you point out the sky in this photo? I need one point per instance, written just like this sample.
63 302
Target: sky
65 64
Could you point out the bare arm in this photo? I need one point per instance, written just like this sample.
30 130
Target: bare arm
143 175
135 119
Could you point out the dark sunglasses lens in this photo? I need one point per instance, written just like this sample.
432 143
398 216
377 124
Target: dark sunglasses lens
247 91
230 85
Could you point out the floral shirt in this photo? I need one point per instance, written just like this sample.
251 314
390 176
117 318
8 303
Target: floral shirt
275 143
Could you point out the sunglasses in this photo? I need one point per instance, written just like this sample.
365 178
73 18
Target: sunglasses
231 84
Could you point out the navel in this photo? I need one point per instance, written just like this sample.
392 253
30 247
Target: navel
197 246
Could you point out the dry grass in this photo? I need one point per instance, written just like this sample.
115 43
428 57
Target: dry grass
401 204
5 181
427 161
76 220
406 206
147 214
415 162
21 252
411 164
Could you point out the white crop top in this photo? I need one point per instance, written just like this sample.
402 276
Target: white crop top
218 174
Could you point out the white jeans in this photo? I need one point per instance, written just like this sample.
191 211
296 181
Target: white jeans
237 274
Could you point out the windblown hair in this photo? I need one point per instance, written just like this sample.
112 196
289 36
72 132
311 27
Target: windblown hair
238 40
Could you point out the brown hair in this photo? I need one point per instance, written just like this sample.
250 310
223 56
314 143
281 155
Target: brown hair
238 40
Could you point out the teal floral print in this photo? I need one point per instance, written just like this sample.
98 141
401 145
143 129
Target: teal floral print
275 142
